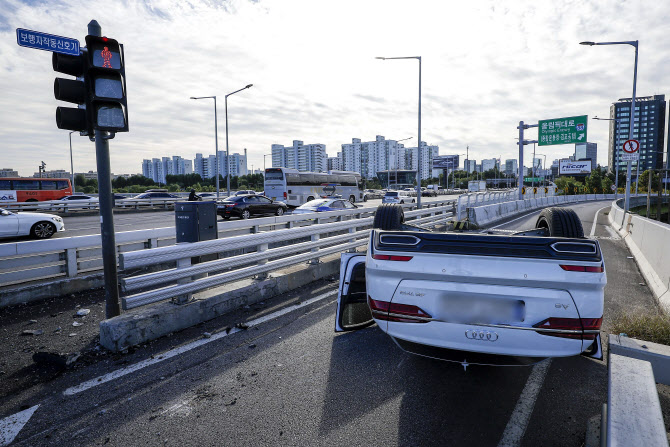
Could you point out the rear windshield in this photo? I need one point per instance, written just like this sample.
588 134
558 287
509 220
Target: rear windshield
276 175
392 194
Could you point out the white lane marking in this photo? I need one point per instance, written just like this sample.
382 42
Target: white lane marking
12 425
180 350
595 221
518 422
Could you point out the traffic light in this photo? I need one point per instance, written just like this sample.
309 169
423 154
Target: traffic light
70 90
105 81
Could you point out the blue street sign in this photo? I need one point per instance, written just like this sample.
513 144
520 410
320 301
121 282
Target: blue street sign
47 42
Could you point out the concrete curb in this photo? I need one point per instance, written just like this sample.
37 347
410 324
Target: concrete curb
36 292
151 322
656 354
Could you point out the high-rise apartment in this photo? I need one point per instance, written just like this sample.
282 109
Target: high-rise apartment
300 156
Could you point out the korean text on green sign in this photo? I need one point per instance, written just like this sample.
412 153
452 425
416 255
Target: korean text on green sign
568 130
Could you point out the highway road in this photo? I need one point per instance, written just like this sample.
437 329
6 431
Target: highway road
290 380
129 221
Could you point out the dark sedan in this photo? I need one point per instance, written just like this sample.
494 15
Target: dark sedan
249 205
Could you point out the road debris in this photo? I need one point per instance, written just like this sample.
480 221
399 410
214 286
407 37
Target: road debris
83 312
32 332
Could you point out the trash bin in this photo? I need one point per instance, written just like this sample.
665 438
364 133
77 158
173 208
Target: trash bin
195 221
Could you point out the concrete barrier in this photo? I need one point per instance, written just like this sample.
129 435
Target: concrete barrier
648 241
489 214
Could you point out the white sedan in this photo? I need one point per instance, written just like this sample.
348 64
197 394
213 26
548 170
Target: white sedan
37 225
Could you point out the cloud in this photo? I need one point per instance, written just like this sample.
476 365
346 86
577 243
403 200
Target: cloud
485 67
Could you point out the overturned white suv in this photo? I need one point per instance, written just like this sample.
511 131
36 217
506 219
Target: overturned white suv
474 298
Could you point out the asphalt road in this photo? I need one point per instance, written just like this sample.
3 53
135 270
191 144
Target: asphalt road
129 220
291 380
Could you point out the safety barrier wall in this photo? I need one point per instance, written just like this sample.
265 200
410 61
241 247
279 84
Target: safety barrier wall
648 241
29 263
487 214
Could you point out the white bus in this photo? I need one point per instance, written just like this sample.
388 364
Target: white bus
296 188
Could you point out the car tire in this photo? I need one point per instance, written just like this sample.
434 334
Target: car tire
389 217
43 230
352 199
310 198
365 198
413 200
402 202
245 214
561 222
279 211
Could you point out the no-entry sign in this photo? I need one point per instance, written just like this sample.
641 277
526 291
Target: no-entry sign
631 151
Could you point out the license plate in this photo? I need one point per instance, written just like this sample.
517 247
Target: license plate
483 310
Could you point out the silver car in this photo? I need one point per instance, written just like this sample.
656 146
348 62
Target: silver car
401 197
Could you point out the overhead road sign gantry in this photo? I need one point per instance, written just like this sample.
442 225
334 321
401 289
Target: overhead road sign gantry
569 130
47 42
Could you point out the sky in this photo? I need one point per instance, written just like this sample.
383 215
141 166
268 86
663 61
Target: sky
486 65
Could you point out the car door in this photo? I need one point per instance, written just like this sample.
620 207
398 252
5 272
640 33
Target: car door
265 205
352 306
9 224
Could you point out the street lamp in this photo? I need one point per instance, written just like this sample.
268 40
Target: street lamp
227 150
616 154
418 176
633 43
216 142
265 155
71 162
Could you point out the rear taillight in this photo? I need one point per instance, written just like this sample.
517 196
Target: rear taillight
401 313
583 268
579 328
285 195
391 258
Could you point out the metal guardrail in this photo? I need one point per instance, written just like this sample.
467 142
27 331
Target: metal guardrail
66 206
178 283
26 262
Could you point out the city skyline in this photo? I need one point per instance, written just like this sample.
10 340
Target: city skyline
491 67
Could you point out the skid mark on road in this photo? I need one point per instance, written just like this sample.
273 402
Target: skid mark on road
182 349
518 422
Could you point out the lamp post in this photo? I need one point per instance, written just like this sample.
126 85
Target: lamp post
227 150
71 162
633 43
418 174
265 155
216 142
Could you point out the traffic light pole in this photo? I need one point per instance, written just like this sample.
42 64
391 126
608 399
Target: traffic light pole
112 308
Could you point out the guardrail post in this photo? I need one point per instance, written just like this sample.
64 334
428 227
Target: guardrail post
314 238
352 230
261 248
71 262
182 299
152 243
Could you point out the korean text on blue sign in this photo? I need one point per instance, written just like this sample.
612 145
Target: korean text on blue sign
47 42
569 130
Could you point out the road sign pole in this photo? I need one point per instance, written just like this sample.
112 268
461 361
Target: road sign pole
112 308
520 169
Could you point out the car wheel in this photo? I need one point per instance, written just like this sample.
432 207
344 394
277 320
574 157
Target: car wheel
389 217
43 230
402 202
246 214
365 198
561 222
280 211
310 198
352 199
413 201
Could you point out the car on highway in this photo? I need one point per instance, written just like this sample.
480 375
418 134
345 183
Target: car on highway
156 195
400 197
245 192
426 192
37 225
473 298
249 205
371 194
322 205
81 201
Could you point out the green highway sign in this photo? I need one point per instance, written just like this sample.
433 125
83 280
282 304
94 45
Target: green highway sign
532 179
568 130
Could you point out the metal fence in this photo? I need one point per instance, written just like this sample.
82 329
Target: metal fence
263 253
29 262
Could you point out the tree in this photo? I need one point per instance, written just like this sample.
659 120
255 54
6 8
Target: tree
594 181
644 181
